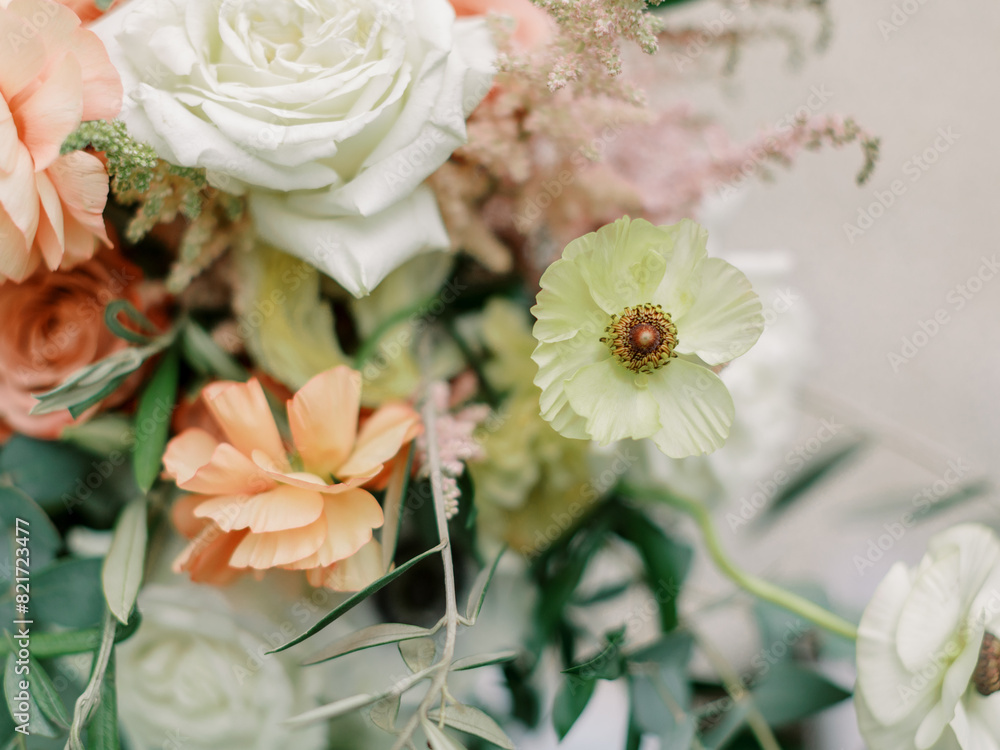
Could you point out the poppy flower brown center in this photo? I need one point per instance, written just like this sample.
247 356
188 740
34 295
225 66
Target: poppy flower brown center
642 338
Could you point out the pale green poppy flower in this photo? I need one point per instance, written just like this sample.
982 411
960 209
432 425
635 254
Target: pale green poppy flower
629 323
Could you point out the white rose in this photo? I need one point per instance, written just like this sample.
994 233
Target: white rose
921 675
330 114
193 677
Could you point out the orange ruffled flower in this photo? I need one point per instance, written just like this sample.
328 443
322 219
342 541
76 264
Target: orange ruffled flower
255 507
53 75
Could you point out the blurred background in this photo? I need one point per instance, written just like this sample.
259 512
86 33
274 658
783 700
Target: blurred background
898 281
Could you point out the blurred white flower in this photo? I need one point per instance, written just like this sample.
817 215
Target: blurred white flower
329 113
927 657
196 675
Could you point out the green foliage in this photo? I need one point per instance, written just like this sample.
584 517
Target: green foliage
152 421
131 164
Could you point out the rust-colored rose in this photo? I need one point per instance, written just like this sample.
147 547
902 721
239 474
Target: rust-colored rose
53 325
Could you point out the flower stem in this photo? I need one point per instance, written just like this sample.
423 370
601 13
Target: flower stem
760 588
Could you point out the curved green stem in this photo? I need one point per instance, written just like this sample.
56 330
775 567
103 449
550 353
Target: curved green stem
757 586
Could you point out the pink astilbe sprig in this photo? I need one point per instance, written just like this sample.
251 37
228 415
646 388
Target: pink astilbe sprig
456 439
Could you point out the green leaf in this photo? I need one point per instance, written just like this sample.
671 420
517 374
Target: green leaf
418 654
45 470
792 692
152 421
17 691
374 635
477 595
667 562
482 660
47 697
438 740
607 664
359 597
384 713
818 470
473 721
205 356
603 594
69 593
102 731
335 709
140 321
571 700
123 567
93 383
100 435
43 537
50 644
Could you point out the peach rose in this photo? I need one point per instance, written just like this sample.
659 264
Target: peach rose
53 75
53 325
533 25
254 506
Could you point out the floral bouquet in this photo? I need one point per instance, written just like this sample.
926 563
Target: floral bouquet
360 363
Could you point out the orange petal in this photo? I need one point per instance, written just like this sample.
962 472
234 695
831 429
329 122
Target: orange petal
197 463
82 182
47 117
323 416
50 237
275 510
350 518
183 516
356 572
9 139
241 410
102 86
206 558
381 437
303 479
17 194
17 262
274 548
23 57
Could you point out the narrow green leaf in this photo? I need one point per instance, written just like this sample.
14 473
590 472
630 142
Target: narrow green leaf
438 740
374 635
418 654
473 721
608 664
152 421
571 700
102 731
335 709
482 660
50 644
93 383
17 691
359 597
126 560
47 696
478 593
384 713
666 561
813 473
114 324
205 356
